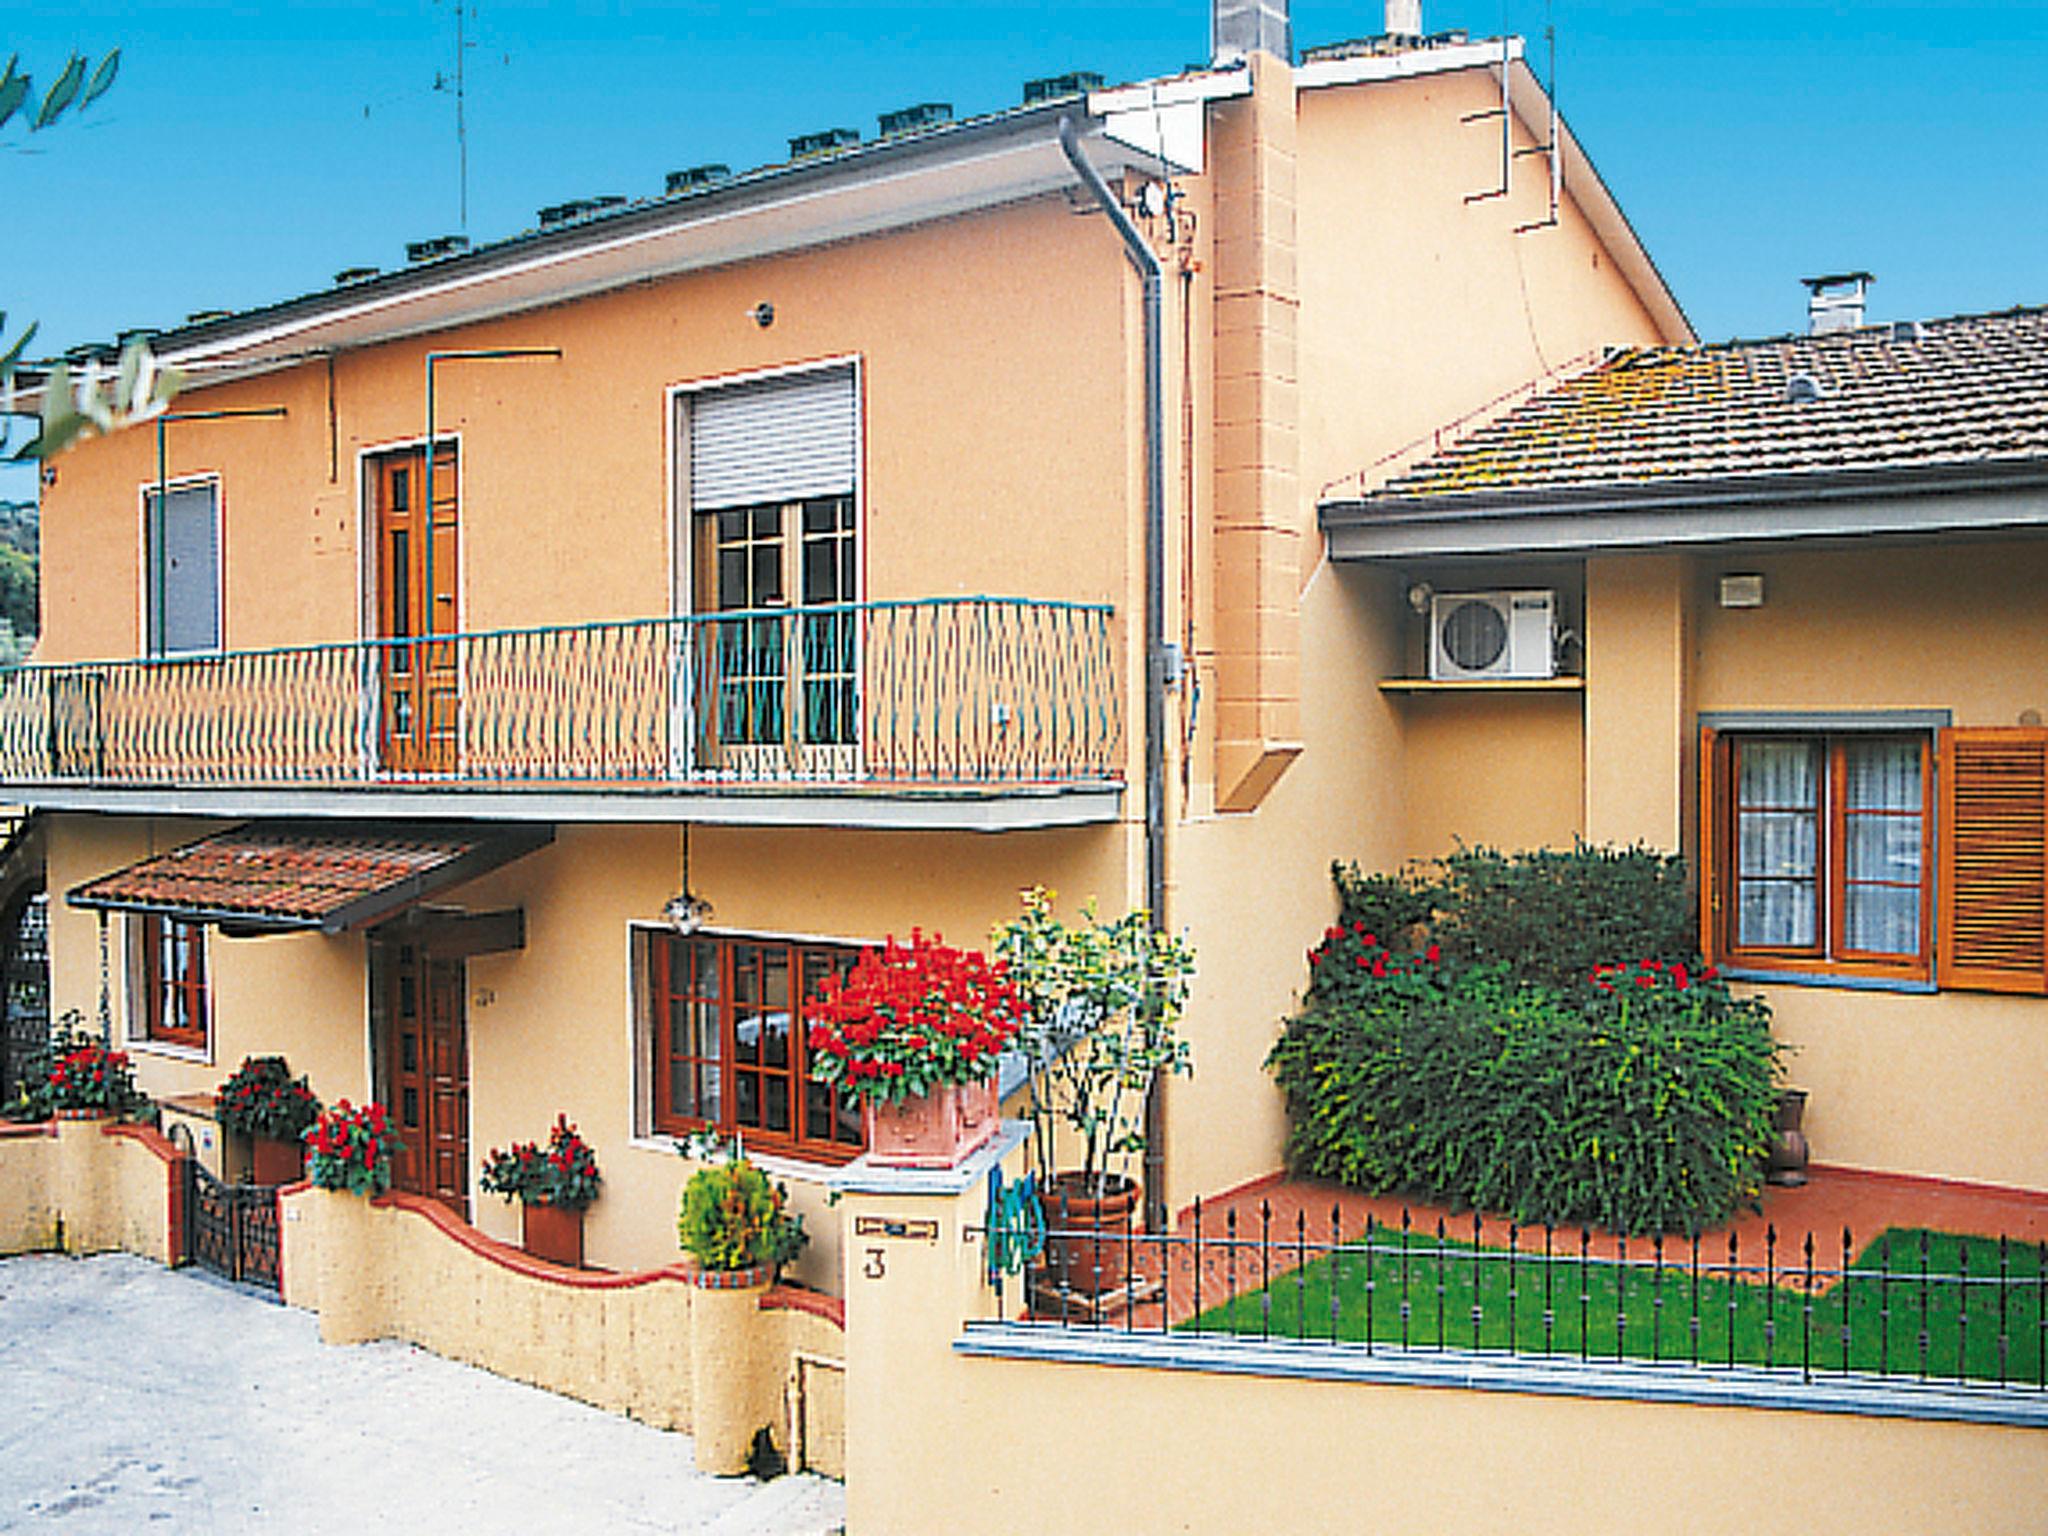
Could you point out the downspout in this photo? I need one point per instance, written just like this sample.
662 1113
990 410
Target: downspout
1153 277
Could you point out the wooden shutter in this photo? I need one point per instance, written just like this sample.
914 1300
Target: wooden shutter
1706 861
1994 860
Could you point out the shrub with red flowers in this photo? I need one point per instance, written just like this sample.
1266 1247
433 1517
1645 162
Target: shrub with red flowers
563 1173
79 1073
262 1098
1425 1061
352 1149
909 1018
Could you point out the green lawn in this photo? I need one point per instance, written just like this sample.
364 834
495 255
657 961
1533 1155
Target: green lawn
1602 1310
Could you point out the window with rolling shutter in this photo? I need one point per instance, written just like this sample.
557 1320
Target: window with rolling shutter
182 565
1994 866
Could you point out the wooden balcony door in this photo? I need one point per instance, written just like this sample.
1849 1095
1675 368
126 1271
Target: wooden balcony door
426 1072
419 682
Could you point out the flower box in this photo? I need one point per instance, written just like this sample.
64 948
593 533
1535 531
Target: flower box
277 1161
934 1130
552 1232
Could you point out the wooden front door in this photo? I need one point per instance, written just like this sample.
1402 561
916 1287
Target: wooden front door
420 684
426 1065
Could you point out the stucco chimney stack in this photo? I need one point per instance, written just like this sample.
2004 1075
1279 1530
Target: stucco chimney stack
1404 18
1835 302
1240 28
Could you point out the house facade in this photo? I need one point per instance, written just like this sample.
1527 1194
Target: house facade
1804 577
508 683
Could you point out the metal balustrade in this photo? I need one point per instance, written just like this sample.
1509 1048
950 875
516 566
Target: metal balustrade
967 692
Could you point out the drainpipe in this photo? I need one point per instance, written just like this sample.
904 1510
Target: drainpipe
1150 272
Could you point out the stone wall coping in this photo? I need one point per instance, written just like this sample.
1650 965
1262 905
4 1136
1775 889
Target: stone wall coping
862 1177
505 1255
797 1298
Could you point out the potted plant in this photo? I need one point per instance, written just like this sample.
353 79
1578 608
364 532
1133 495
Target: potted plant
350 1149
264 1102
73 1076
1103 1000
554 1184
914 1032
737 1226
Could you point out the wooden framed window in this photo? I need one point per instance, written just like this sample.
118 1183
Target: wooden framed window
728 1031
174 1002
1819 852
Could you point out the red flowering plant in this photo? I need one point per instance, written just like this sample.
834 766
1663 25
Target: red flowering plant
563 1173
352 1149
74 1070
1353 964
262 1098
909 1018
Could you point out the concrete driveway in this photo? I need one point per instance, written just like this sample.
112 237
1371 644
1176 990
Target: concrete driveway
133 1397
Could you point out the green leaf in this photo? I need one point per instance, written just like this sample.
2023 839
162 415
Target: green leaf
13 90
62 93
102 79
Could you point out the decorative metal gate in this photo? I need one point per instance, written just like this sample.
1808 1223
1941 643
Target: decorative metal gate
231 1229
24 988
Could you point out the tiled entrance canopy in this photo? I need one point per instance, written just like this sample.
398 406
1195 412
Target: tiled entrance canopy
308 875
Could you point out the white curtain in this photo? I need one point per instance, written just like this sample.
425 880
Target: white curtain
1778 843
1881 894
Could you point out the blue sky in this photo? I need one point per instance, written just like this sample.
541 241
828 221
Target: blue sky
248 152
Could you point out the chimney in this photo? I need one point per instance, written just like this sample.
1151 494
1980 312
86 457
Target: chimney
1240 28
1835 302
1404 18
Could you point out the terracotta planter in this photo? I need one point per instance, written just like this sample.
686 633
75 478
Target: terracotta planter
937 1130
552 1232
1088 1244
278 1162
753 1277
1789 1150
85 1114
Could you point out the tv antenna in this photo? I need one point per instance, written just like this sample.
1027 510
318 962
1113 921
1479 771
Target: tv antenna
456 86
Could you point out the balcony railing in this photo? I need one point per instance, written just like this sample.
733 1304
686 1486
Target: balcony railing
971 692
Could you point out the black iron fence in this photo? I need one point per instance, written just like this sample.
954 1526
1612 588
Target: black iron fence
1905 1303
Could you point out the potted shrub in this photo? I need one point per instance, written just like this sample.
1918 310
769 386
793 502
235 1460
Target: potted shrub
736 1226
350 1149
1103 1000
554 1184
264 1102
914 1032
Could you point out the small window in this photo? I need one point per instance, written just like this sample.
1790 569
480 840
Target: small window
724 1031
1821 855
172 1003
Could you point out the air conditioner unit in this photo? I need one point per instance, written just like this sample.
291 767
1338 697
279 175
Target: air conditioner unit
1476 636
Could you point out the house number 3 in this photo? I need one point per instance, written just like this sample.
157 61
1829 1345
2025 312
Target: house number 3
874 1268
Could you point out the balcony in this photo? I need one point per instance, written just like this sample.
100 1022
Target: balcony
970 713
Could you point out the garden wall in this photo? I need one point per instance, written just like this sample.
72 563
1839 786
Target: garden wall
718 1364
90 1186
1199 1435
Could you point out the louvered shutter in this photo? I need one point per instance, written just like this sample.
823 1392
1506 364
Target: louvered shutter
778 440
1994 860
1706 861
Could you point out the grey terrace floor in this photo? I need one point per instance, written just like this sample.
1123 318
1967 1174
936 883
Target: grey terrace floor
135 1398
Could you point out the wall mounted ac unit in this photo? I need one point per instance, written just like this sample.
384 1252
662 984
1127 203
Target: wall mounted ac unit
1479 636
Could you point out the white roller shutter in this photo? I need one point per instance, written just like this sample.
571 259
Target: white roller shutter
189 579
774 441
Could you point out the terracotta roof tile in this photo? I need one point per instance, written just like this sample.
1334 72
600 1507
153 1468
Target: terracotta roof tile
283 874
1968 390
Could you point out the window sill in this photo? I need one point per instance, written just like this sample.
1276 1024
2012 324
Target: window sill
780 1165
199 1055
1844 982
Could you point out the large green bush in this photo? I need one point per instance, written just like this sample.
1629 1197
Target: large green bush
1552 916
1530 1035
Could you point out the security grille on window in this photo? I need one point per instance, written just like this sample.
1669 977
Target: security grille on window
727 1037
772 469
